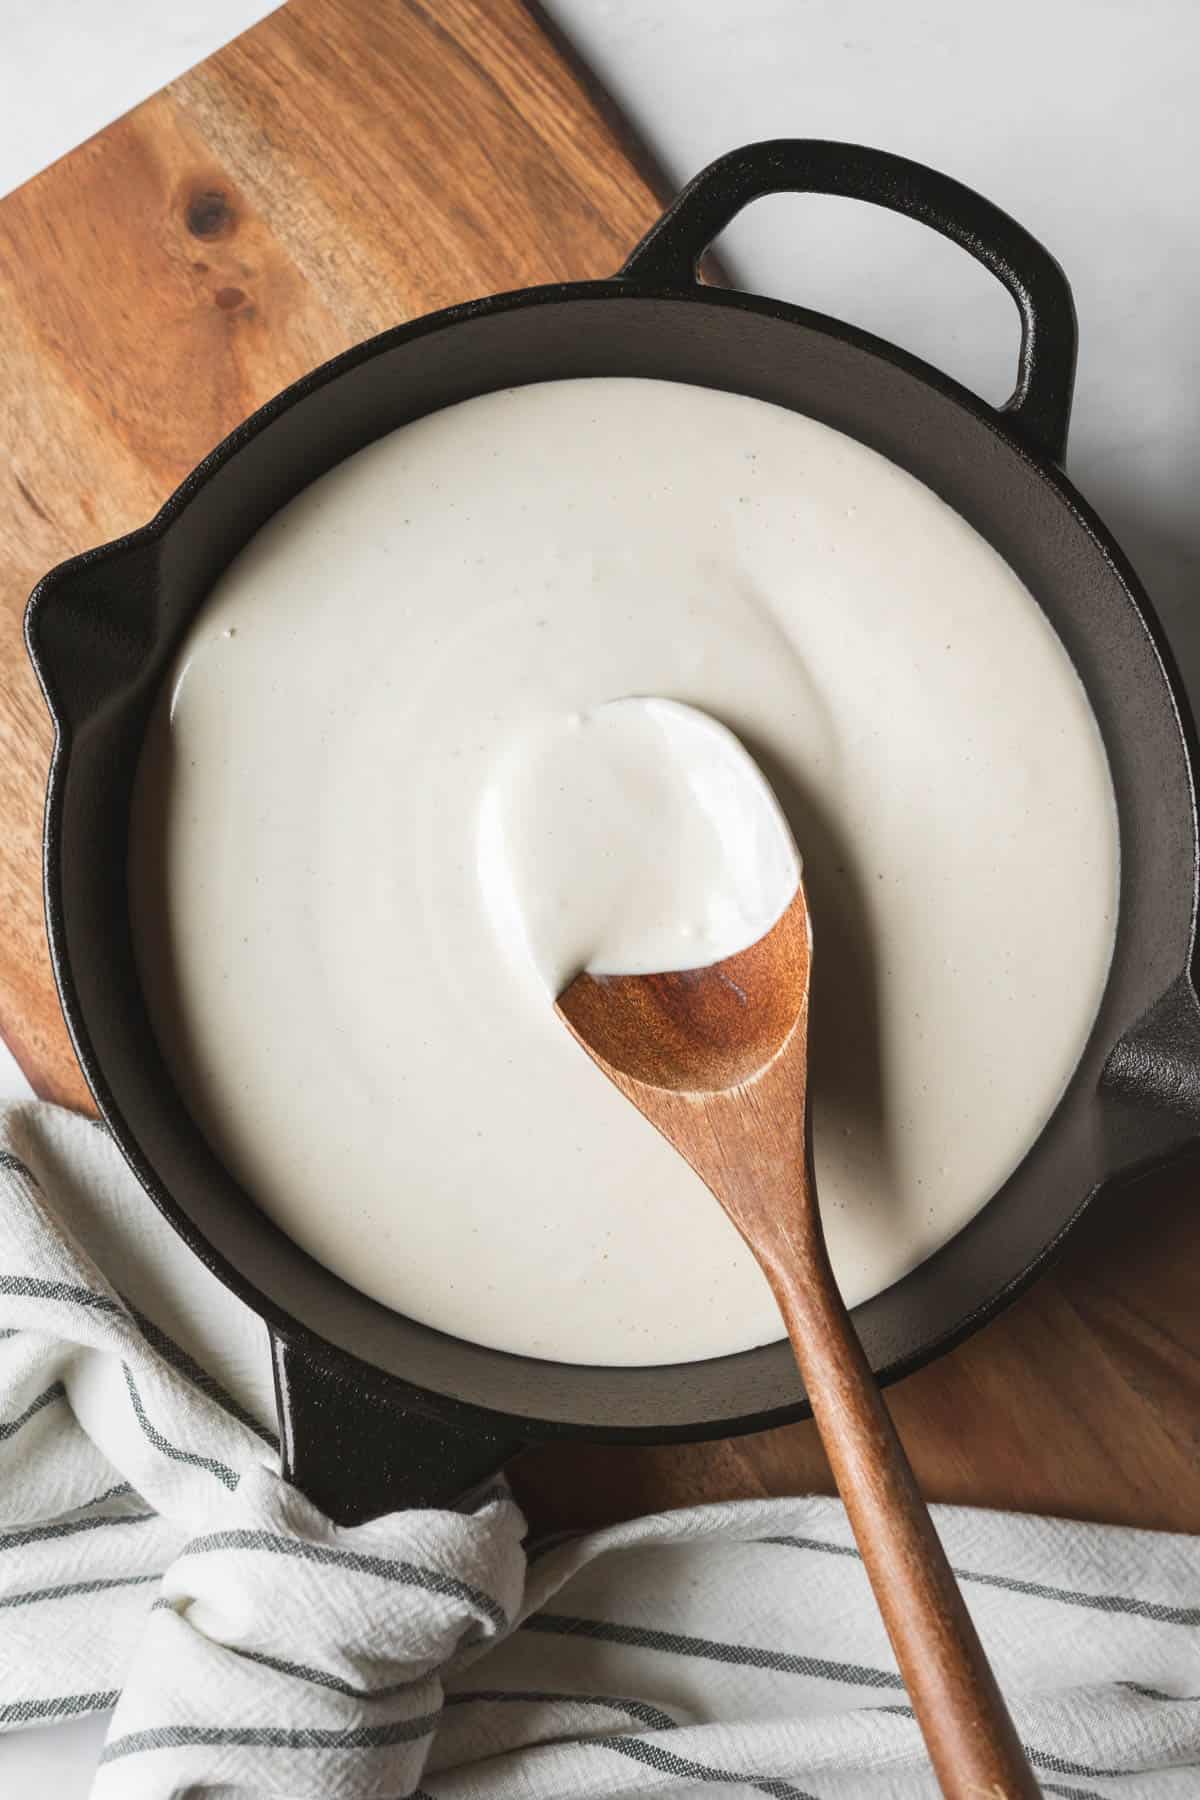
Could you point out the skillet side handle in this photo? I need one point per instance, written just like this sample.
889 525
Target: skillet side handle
357 1453
92 626
1154 1070
1039 409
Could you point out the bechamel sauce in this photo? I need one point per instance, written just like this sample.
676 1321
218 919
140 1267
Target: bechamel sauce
633 839
338 881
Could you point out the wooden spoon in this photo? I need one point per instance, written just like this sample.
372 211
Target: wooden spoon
717 1059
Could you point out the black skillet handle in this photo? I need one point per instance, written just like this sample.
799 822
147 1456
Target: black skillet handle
359 1445
1153 1075
1040 407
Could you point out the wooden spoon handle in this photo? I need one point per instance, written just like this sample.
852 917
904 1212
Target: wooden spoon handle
971 1739
717 1059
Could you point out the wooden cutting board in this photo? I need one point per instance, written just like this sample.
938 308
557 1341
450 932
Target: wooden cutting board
346 165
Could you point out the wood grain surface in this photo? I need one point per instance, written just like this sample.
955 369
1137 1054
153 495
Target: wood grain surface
346 165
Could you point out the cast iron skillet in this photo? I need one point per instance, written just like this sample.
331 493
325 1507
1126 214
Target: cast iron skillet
376 1410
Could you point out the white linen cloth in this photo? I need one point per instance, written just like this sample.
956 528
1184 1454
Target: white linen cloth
152 1560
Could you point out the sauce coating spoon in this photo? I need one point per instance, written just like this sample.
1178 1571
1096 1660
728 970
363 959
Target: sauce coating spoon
717 1059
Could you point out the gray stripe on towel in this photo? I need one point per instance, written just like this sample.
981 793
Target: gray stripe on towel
61 1706
433 1581
654 1756
321 1677
71 1588
652 1716
270 1737
190 1369
35 1287
36 1534
753 1656
1049 1759
229 1477
10 1427
1108 1603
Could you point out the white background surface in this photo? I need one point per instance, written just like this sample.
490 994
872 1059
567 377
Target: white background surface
1078 116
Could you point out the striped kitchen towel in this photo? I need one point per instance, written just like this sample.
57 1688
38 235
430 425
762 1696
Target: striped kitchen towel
153 1562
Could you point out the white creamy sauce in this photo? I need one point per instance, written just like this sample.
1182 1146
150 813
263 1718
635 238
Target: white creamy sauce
369 842
633 839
